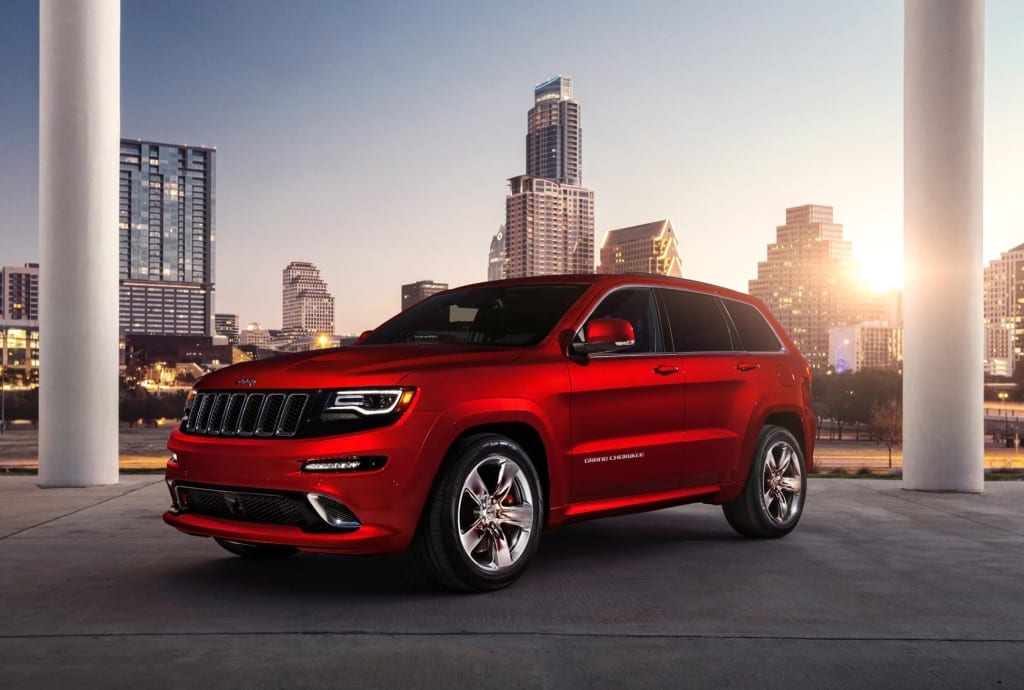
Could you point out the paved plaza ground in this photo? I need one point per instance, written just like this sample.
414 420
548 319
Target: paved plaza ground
877 587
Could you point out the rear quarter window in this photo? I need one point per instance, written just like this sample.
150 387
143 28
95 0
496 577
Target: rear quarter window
755 333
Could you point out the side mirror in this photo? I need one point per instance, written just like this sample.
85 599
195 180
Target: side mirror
362 336
605 335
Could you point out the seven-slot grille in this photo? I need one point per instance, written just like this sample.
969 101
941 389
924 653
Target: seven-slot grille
245 414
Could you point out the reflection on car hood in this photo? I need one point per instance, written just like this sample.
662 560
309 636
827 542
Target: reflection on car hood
365 364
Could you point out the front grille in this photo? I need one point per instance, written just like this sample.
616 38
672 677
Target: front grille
284 508
245 414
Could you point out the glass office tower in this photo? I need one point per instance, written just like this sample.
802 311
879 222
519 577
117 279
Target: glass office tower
167 233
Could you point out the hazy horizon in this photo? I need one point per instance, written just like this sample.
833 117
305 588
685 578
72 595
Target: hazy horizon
375 140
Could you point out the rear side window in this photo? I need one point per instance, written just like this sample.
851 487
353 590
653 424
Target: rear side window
696 322
754 331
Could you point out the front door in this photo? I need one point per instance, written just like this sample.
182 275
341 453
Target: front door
627 408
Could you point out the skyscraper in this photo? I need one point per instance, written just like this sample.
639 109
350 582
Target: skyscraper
167 232
419 291
553 134
809 281
19 293
1004 312
549 218
648 248
227 326
306 305
497 259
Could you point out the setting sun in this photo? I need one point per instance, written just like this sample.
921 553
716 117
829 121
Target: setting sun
882 272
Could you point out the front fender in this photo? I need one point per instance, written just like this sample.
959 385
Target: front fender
463 417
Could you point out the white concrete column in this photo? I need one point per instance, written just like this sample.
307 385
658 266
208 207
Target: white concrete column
943 345
79 144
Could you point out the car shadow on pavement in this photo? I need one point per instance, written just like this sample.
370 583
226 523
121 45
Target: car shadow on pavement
635 541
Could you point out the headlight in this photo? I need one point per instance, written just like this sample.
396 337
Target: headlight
188 405
367 402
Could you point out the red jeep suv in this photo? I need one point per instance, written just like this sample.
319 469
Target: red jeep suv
476 419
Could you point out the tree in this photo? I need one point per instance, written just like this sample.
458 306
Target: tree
850 397
886 424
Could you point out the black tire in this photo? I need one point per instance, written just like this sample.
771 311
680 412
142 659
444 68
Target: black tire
499 557
750 514
249 550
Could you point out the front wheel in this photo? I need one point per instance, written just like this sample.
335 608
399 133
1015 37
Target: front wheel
483 521
773 495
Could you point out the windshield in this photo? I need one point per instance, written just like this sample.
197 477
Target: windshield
508 316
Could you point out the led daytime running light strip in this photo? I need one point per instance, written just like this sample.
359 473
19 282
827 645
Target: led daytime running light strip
348 400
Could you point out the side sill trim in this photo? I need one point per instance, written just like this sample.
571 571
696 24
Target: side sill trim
639 502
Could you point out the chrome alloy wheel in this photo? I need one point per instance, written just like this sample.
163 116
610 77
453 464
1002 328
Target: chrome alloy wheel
495 513
781 482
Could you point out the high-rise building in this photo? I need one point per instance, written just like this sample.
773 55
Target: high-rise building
549 218
227 326
167 233
1004 312
867 345
648 248
497 259
553 134
809 281
306 304
255 334
419 291
19 293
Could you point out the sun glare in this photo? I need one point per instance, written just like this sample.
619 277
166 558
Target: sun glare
882 273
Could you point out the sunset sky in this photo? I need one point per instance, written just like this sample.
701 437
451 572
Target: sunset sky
375 138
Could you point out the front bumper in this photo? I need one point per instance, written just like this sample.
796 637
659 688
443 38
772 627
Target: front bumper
387 502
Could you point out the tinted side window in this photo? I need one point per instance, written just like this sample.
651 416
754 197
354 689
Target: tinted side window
637 306
756 334
696 322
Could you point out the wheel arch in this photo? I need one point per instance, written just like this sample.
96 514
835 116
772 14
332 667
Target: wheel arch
784 416
525 436
524 425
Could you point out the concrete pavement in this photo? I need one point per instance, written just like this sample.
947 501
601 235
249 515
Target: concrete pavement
877 587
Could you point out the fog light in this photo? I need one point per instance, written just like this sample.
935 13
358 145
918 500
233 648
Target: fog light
353 463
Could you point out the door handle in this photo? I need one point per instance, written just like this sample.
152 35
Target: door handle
665 369
747 366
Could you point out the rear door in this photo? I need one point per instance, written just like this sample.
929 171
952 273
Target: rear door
627 407
720 385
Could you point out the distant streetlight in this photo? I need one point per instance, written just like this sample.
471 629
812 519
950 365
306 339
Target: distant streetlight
1003 395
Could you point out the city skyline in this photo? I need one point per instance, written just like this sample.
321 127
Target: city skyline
692 132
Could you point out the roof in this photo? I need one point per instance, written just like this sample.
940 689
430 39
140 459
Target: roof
615 279
638 232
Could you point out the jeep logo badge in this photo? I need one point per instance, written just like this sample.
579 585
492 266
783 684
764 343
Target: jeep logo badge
246 382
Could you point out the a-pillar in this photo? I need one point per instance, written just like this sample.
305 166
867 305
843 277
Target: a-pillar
79 142
943 344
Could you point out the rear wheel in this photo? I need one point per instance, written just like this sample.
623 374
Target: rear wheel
482 523
773 496
250 550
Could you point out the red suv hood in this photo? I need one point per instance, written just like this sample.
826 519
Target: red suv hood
357 365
